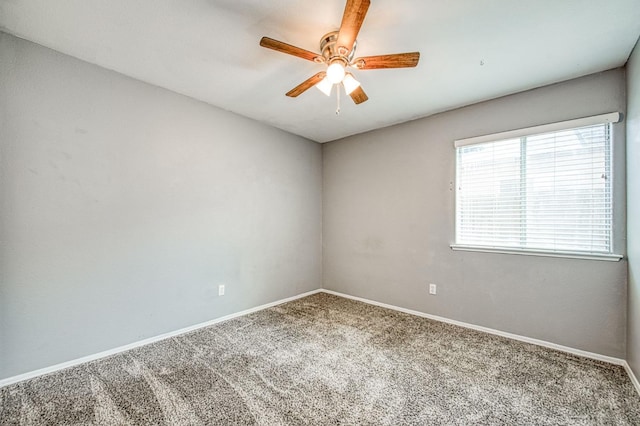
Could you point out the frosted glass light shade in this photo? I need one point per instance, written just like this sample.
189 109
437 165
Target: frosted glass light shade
325 86
335 72
350 83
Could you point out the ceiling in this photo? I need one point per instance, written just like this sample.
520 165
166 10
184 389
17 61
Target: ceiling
471 50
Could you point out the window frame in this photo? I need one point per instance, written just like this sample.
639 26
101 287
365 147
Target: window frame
610 118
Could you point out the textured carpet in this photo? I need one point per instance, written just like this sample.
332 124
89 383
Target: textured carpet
329 360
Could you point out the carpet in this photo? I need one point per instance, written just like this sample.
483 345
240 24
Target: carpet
326 360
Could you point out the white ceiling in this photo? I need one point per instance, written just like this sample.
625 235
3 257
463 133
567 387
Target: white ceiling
471 50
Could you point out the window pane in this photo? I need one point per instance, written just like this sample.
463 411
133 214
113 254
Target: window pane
489 176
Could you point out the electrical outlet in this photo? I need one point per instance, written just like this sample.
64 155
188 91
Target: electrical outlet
221 290
432 289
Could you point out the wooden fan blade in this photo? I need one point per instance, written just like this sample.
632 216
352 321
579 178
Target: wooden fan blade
354 13
396 60
307 84
359 96
280 46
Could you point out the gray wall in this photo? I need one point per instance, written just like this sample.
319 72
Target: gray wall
388 222
633 209
124 205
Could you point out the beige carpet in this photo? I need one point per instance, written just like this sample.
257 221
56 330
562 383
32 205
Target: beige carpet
328 360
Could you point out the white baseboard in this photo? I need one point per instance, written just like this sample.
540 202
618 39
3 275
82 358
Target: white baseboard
103 354
579 352
632 376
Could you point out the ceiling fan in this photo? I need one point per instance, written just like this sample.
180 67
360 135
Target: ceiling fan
338 51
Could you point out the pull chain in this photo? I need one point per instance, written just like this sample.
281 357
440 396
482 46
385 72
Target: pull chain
338 99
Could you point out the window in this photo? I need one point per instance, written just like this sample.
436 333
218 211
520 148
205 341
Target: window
546 189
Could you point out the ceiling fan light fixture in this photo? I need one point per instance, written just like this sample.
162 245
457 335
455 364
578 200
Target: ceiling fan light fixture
325 86
350 83
338 50
335 72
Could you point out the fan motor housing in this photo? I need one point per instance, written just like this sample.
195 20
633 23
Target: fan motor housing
330 50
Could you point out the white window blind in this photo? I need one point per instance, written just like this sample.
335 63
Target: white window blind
547 192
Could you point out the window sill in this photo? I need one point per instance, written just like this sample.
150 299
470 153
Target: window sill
564 254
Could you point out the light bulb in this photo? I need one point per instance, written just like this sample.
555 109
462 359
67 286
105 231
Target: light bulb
335 72
325 86
350 83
